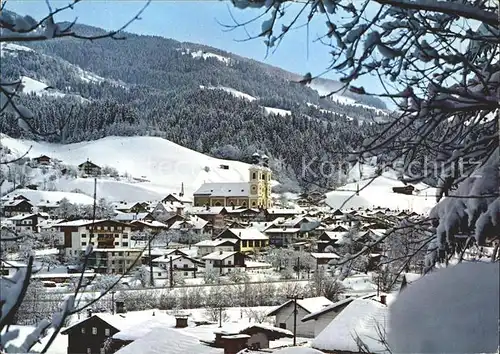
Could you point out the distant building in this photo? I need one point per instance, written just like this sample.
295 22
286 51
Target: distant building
248 240
27 222
255 194
89 168
17 206
42 160
224 262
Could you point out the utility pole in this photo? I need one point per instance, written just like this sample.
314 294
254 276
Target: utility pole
295 298
171 269
298 268
151 275
113 302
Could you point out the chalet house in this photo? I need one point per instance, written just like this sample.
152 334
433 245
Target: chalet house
329 238
209 246
259 335
195 225
126 207
179 263
27 222
48 206
248 240
208 213
178 198
282 236
146 225
79 233
42 160
245 214
171 220
225 262
361 319
323 259
284 314
128 217
89 168
17 206
324 316
89 335
274 213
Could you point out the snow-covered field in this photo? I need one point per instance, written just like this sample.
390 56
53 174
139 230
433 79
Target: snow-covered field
165 164
378 192
235 93
278 111
37 196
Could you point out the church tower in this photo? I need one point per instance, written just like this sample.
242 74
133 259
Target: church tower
260 182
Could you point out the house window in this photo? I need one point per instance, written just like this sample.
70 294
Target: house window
83 330
185 274
185 265
244 243
106 332
250 243
124 235
84 235
117 243
125 244
94 330
159 274
228 262
84 243
254 176
283 325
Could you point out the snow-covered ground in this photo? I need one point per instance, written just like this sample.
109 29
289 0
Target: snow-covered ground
235 93
32 86
378 192
205 55
278 111
165 164
37 196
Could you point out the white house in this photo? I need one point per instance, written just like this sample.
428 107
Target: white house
208 246
225 262
182 264
362 319
284 314
102 233
27 222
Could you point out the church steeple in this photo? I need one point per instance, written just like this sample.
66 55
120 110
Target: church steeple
181 194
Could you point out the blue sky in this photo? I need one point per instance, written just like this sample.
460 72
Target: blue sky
196 21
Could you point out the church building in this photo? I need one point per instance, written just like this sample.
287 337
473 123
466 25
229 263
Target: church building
256 193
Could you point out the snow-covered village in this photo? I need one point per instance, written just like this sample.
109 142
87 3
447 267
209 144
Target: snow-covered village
238 177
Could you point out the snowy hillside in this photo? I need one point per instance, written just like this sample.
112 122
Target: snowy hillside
36 196
378 192
164 164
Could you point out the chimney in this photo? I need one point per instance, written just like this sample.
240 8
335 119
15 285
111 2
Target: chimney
235 343
89 313
120 307
383 299
220 252
181 321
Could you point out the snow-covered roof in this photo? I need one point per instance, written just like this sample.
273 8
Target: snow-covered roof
218 256
134 330
297 350
234 189
248 234
213 210
48 223
362 318
335 235
152 223
215 243
310 304
120 216
15 202
167 341
282 230
284 211
23 216
326 255
333 307
194 223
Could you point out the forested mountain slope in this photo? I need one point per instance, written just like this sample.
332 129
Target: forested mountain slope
149 85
